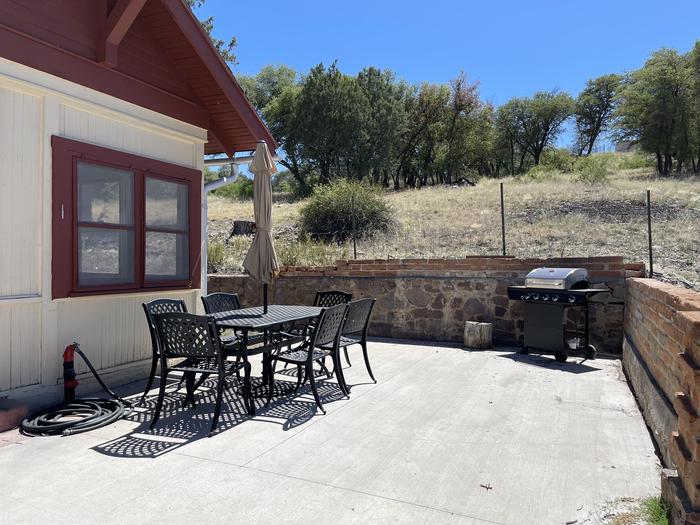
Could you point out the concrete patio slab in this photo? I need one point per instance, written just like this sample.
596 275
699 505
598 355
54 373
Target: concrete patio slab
446 436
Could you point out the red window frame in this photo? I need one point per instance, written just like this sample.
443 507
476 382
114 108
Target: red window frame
64 265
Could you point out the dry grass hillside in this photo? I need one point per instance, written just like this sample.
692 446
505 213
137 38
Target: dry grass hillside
554 216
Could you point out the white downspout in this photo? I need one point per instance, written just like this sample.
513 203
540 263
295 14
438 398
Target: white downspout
208 187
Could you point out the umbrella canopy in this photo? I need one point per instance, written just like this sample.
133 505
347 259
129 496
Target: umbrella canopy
261 260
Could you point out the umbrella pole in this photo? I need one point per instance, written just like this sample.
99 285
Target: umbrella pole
264 297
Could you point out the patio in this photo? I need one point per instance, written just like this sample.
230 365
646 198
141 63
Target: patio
446 436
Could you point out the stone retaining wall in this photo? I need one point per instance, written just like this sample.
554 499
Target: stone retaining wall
430 299
662 360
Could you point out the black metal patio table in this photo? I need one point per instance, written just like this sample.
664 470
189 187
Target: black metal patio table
245 320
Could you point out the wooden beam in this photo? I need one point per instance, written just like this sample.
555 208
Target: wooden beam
118 22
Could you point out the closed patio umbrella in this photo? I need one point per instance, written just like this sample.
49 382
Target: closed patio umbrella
261 260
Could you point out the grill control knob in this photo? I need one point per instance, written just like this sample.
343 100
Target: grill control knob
545 297
536 296
572 298
555 298
525 296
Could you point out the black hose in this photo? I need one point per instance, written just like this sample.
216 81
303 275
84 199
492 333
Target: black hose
80 415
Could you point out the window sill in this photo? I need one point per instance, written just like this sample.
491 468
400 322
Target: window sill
128 292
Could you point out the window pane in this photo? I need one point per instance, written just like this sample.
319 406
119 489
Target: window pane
167 256
105 256
166 204
105 194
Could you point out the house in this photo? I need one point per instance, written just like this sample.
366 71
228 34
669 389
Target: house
107 108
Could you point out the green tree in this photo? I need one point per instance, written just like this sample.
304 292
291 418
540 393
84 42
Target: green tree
595 110
332 116
694 64
655 108
386 122
227 49
269 83
540 120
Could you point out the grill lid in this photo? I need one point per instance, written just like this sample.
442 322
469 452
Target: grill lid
557 278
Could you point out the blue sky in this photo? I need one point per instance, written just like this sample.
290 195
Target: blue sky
513 48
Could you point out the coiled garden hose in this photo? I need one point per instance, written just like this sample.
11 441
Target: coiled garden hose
79 415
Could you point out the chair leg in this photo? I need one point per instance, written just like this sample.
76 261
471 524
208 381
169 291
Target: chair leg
161 396
246 390
322 362
219 396
300 375
202 379
364 353
310 374
190 386
151 377
341 378
271 382
238 372
347 357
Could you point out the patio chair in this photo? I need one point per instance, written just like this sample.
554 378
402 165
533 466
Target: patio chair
151 308
223 302
330 298
322 342
354 331
195 340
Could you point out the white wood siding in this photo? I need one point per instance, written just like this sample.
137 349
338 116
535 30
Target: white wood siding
20 344
20 193
34 329
111 329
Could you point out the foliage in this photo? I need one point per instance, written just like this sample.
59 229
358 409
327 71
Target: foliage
306 252
227 50
541 173
595 110
267 85
592 169
240 189
655 108
215 256
559 159
374 127
345 208
656 511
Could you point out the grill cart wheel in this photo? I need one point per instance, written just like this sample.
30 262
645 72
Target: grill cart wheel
590 352
561 356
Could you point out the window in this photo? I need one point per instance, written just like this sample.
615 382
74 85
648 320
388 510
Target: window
122 222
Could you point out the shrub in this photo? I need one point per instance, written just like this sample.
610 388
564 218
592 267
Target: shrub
328 215
310 253
558 159
240 189
592 169
541 173
215 257
633 161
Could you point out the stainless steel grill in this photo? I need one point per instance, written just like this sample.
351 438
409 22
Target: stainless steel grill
547 293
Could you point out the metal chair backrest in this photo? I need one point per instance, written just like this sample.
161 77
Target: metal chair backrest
358 316
221 302
327 329
157 307
187 335
331 298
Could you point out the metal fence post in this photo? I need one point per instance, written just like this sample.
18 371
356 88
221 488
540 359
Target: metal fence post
651 254
503 222
354 242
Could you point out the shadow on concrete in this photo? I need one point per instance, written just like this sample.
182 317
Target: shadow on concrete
180 425
570 366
